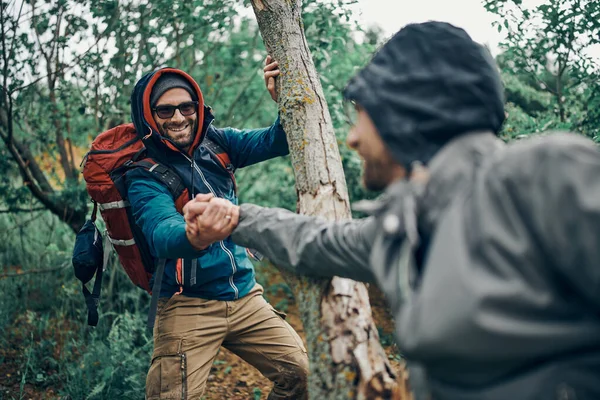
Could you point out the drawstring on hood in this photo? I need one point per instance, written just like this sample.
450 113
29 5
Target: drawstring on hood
428 84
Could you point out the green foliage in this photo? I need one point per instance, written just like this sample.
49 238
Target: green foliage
112 367
43 331
62 99
551 80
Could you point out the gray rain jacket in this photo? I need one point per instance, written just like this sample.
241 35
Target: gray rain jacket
505 303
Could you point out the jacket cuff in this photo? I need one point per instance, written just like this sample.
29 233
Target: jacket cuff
245 230
184 248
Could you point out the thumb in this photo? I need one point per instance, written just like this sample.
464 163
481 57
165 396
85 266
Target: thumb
271 88
193 209
203 197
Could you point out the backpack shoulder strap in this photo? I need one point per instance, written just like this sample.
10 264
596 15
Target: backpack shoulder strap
164 174
214 146
158 276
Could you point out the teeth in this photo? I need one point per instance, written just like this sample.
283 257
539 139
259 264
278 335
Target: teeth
178 129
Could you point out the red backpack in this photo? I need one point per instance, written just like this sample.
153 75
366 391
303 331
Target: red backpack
113 153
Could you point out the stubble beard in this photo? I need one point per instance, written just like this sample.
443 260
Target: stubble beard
376 177
182 142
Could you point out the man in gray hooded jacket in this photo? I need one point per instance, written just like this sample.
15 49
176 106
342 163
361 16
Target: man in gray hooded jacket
489 254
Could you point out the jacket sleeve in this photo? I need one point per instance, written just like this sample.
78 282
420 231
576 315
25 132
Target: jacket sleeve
154 212
251 146
308 245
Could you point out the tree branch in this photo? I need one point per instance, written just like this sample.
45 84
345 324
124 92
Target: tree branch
12 45
6 96
37 36
31 162
65 67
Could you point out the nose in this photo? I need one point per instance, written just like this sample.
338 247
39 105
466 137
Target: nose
177 117
352 139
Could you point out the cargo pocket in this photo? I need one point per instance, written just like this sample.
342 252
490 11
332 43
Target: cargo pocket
291 330
167 378
279 313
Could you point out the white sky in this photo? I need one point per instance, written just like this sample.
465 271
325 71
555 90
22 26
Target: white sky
391 15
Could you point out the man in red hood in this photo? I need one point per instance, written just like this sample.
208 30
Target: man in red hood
208 292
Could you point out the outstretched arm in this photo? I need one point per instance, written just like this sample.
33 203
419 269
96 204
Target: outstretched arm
308 245
304 245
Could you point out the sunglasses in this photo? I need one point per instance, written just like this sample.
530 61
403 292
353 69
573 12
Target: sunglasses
186 109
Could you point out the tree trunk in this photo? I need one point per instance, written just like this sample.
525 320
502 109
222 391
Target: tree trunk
347 360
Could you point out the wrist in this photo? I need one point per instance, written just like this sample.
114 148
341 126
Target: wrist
196 242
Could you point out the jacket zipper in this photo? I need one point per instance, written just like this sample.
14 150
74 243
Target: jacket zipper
221 243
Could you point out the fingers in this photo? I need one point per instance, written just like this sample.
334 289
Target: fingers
235 217
192 207
231 219
222 210
209 221
213 217
268 60
272 67
271 86
271 74
190 213
204 196
271 71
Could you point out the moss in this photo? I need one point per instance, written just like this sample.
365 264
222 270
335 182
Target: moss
350 375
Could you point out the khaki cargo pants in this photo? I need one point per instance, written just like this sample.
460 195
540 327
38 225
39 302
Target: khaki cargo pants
189 331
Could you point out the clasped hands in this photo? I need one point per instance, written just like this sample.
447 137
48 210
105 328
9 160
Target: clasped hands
209 219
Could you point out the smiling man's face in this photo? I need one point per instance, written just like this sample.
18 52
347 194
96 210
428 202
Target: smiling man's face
179 128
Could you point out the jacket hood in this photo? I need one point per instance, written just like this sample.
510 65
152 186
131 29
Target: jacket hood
428 84
141 113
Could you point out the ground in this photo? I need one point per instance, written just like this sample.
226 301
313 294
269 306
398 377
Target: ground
230 378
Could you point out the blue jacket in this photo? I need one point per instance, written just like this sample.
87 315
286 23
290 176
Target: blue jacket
223 270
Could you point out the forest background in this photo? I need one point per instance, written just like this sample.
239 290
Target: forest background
67 69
